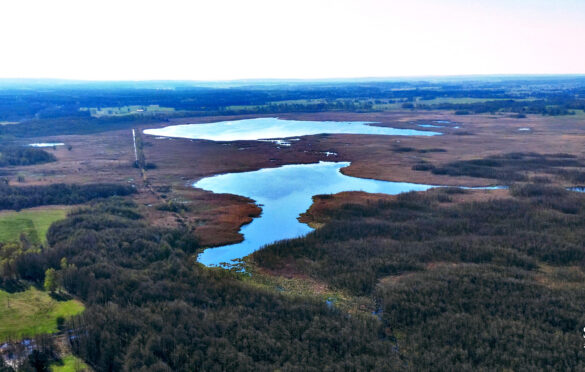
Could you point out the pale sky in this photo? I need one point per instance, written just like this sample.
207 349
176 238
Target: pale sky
246 39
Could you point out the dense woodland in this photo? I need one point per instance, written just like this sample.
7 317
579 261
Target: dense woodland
21 155
150 306
513 167
476 286
19 197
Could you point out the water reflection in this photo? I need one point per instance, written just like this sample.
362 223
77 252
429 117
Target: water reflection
284 193
270 128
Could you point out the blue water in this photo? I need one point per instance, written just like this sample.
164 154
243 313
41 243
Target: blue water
284 193
269 128
46 144
430 126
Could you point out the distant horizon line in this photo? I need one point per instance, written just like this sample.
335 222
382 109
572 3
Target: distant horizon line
324 79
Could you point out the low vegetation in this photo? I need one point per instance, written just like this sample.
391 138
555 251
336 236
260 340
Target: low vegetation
33 223
69 363
33 312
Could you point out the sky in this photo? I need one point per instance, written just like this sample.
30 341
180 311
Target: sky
288 39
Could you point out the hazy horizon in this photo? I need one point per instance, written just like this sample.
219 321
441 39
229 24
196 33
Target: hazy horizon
407 78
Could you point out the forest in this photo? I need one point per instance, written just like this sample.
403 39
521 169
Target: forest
19 197
21 155
494 285
475 286
150 306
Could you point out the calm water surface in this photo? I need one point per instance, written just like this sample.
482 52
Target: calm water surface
284 193
46 144
430 126
268 128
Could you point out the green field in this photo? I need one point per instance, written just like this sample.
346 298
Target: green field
32 312
33 222
70 364
126 110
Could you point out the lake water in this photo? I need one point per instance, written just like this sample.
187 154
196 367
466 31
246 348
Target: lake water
270 128
430 126
46 144
284 193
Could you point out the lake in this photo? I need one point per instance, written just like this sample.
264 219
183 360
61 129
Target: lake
283 194
271 128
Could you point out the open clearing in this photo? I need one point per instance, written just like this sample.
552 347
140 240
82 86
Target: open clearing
70 364
34 222
32 312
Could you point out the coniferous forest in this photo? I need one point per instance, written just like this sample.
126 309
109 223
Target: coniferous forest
482 285
478 286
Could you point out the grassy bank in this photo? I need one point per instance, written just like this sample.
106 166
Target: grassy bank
70 363
32 312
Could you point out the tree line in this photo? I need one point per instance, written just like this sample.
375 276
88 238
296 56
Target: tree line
24 155
19 197
513 167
